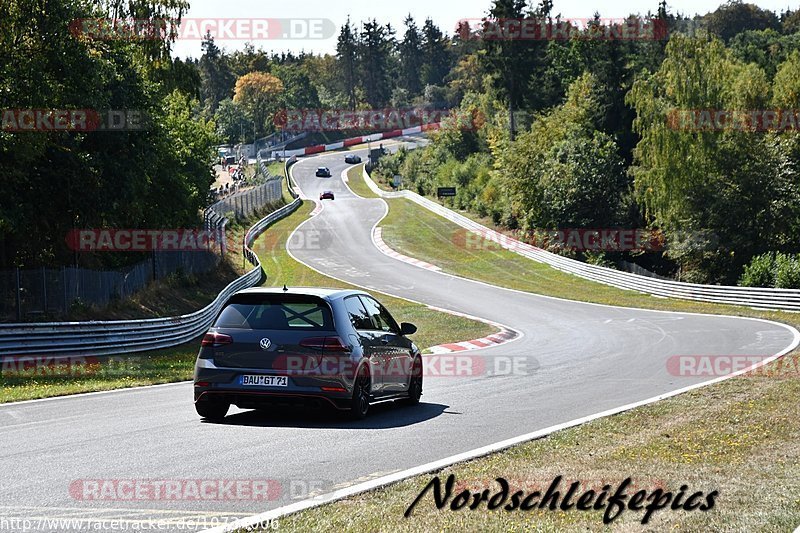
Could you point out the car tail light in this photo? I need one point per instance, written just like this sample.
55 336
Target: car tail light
326 344
202 384
216 339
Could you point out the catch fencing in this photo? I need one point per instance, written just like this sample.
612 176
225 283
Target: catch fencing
130 336
245 204
28 294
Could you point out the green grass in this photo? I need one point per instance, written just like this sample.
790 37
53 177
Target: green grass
97 374
357 184
275 168
419 233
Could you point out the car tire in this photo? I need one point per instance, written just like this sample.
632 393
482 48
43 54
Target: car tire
359 405
212 410
415 383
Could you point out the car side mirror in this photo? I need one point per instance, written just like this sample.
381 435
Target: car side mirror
407 328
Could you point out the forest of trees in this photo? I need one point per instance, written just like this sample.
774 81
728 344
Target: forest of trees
574 133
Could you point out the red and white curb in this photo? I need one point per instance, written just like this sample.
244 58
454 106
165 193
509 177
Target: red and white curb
310 150
505 335
384 248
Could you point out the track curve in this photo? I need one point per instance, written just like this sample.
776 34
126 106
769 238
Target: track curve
583 359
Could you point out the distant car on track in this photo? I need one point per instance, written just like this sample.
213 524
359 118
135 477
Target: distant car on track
323 172
333 347
352 159
326 195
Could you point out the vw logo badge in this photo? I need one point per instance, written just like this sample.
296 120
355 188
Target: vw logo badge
265 344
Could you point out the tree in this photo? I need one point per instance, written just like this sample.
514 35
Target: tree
375 46
691 179
257 93
217 78
510 61
155 175
435 54
563 173
231 121
735 16
299 92
242 62
411 58
347 57
154 50
765 48
466 77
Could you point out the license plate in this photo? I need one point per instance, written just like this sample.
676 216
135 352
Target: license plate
265 381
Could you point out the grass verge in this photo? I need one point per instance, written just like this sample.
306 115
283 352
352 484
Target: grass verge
41 378
419 233
357 184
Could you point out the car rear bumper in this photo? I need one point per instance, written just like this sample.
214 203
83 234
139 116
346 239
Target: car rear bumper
258 400
224 384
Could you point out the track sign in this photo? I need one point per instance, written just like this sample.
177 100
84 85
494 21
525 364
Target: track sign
443 192
397 181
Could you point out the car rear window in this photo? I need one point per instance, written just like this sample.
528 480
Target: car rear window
283 313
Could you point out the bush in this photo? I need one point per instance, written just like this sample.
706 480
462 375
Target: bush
787 271
760 272
772 270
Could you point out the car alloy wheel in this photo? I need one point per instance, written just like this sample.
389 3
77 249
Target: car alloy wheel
360 403
415 383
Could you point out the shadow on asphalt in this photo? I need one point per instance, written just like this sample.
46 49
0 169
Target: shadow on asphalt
381 416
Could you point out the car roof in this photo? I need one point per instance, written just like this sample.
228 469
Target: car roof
328 294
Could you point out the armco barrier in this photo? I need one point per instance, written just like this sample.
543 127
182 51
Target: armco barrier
762 298
128 336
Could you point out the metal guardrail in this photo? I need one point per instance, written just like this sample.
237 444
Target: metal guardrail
756 297
128 336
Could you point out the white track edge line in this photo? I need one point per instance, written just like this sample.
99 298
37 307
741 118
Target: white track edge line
92 393
472 454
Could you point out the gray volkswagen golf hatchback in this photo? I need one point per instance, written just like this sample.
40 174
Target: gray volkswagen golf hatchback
305 346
